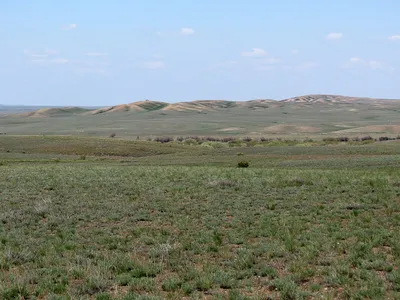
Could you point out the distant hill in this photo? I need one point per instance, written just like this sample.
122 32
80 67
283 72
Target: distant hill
56 112
302 116
331 99
198 105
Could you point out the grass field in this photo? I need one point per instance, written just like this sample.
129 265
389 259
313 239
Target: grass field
89 218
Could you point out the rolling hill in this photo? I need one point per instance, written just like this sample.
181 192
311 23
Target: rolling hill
208 105
309 115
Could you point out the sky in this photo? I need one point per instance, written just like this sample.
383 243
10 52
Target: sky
99 52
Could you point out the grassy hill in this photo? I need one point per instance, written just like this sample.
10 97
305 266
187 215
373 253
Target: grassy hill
310 115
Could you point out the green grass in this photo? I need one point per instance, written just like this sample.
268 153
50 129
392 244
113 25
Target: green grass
159 221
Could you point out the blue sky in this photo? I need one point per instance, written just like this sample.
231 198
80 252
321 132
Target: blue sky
87 52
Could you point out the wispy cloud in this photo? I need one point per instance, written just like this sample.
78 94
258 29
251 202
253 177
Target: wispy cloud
395 37
187 31
355 59
307 65
255 52
59 61
97 54
334 36
69 27
270 60
295 51
50 51
37 55
184 31
155 64
372 64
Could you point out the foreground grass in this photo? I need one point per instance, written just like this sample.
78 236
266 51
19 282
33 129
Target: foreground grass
80 231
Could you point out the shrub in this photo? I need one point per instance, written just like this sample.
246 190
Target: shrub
247 139
329 139
190 142
113 135
343 139
180 138
227 139
243 164
367 138
209 139
165 139
196 138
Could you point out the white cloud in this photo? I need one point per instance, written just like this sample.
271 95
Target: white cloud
355 59
255 52
39 55
271 60
307 65
47 52
372 64
156 64
50 51
187 31
295 51
69 27
394 37
96 54
51 61
334 36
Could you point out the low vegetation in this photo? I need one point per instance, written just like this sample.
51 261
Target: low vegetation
87 218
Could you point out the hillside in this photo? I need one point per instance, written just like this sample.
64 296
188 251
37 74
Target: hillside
208 105
303 116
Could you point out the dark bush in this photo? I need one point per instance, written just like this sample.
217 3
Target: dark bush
243 164
329 139
367 138
180 138
355 139
165 139
384 138
262 139
343 139
210 139
227 139
196 138
113 135
247 139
